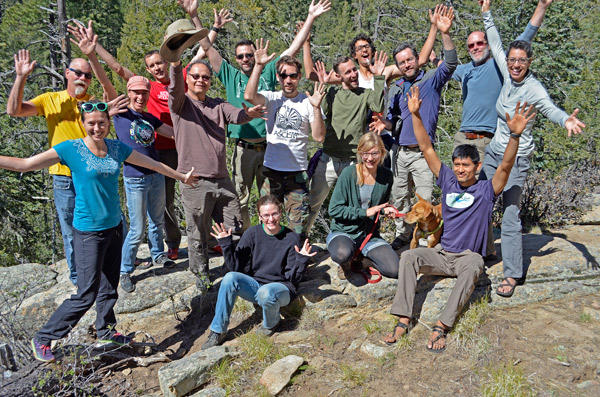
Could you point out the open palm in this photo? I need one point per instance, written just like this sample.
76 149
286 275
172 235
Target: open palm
23 64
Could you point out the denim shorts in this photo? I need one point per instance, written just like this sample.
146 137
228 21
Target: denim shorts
374 242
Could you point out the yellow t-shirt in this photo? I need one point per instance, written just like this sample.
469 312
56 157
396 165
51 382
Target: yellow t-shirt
63 120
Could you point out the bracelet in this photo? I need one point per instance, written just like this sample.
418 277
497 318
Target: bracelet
216 30
516 136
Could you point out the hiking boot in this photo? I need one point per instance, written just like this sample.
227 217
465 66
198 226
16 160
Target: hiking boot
266 331
164 261
399 242
126 284
344 271
173 253
214 339
42 352
115 338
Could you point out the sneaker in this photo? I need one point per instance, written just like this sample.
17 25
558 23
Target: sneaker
116 338
142 264
265 331
399 242
126 284
42 352
164 261
214 339
173 253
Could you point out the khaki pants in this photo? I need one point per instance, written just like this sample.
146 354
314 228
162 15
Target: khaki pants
411 173
209 199
326 174
466 266
247 166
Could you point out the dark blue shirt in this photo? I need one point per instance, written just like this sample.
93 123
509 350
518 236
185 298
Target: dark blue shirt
430 88
136 130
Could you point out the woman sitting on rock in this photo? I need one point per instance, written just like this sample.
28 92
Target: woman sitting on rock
95 163
361 192
265 268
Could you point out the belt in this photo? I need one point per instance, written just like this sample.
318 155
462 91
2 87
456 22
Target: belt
259 146
410 147
478 135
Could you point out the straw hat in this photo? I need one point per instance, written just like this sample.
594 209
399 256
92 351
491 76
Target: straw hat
180 35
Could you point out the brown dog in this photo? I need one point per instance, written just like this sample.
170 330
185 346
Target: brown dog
428 219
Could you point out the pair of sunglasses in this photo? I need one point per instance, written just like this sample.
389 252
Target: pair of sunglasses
89 107
79 73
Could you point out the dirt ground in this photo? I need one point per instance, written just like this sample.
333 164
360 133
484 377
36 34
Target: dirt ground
546 348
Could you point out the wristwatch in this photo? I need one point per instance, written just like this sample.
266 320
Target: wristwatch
516 136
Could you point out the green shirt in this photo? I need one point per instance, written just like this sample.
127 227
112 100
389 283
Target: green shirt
235 82
346 113
345 210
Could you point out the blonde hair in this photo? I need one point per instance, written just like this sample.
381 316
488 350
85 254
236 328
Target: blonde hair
367 142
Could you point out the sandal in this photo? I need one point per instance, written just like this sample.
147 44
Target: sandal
398 325
506 283
442 333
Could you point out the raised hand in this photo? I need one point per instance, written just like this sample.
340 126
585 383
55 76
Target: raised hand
255 112
573 124
485 5
317 97
320 8
189 6
377 124
322 74
220 231
261 56
444 18
433 14
378 66
305 249
545 3
118 105
23 65
222 17
414 103
523 115
87 40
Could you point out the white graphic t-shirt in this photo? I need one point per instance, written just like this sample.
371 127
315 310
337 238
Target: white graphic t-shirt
288 126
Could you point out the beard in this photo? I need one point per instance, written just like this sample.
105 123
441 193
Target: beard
80 87
482 58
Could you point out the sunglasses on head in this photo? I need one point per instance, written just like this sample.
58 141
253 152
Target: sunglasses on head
89 107
197 76
80 73
285 75
477 43
242 56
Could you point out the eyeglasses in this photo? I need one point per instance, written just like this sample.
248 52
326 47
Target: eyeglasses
361 47
522 61
242 56
373 155
476 44
80 73
285 75
199 76
89 107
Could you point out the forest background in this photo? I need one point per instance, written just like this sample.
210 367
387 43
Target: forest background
566 61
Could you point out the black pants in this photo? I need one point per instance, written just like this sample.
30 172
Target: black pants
341 249
98 261
172 232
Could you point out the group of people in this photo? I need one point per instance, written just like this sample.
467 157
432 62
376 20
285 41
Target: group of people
377 126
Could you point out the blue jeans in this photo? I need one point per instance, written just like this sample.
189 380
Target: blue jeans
145 197
269 296
64 200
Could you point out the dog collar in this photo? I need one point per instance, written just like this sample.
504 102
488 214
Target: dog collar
424 233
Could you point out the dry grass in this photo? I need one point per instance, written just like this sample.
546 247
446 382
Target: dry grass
506 381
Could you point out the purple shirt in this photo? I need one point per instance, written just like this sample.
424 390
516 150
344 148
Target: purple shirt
136 130
467 213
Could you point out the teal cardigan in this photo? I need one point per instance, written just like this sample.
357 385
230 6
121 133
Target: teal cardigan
344 207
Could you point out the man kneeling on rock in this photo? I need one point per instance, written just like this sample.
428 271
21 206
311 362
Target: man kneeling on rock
265 268
467 205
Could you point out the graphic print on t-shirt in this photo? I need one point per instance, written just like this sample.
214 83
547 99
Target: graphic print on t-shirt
104 166
459 200
287 123
142 132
